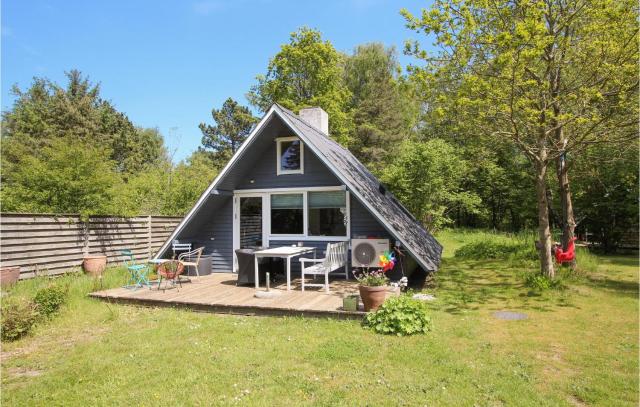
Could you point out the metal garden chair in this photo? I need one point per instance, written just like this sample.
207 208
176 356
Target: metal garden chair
138 273
187 259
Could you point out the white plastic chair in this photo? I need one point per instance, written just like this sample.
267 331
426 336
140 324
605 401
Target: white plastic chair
197 253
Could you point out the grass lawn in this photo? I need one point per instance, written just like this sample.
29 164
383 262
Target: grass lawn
577 347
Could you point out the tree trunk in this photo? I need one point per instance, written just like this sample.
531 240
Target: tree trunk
568 219
544 232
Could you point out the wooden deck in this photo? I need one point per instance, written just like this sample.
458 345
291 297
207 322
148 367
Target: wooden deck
218 293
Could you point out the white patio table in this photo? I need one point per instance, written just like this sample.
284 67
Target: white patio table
285 252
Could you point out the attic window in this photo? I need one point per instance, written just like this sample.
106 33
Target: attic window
290 156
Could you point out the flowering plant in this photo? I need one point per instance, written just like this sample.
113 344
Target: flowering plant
371 278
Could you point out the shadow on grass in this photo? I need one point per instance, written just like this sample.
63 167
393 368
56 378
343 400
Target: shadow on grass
465 286
620 287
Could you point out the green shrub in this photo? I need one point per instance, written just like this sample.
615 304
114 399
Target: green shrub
49 299
18 317
400 316
500 247
540 282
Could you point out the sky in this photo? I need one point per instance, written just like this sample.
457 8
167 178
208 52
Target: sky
166 64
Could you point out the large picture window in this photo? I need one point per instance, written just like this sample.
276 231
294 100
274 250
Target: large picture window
290 156
327 213
287 214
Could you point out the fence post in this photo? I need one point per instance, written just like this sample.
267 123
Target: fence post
85 236
149 236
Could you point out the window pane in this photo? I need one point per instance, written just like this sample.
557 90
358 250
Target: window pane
286 214
250 222
327 213
328 199
290 155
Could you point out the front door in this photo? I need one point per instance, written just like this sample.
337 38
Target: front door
249 230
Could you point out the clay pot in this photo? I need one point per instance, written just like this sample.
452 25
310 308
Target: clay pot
94 264
9 275
372 297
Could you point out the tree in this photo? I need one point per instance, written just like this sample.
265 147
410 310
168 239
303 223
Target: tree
48 111
166 189
551 77
67 177
606 192
233 124
307 72
381 104
433 170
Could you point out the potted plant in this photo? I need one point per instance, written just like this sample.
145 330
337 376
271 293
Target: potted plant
373 288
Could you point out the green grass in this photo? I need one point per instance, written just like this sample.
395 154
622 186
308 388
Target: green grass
579 346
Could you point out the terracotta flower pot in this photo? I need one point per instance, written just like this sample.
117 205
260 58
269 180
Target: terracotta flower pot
9 275
94 264
372 297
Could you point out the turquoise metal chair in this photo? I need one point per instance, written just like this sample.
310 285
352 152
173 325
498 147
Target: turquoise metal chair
138 273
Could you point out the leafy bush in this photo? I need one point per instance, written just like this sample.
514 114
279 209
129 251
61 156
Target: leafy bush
400 316
49 299
18 317
540 282
494 246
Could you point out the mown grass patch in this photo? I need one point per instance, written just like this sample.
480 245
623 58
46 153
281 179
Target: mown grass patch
577 345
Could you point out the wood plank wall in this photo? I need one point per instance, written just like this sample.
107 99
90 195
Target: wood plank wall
52 244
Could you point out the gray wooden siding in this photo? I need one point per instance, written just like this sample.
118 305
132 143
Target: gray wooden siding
363 224
264 174
258 163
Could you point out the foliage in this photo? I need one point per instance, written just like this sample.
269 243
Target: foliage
307 72
383 112
606 192
430 169
50 298
233 124
47 111
18 317
400 316
167 189
371 277
486 250
549 77
541 282
65 177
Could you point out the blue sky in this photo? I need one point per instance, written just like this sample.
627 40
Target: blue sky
167 63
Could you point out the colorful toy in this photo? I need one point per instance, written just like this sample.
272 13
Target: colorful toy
387 261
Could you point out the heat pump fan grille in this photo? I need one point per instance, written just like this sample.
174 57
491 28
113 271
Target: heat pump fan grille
365 253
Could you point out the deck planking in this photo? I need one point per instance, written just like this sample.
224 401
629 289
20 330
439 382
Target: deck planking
218 293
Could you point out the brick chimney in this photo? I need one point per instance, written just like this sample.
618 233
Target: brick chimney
316 117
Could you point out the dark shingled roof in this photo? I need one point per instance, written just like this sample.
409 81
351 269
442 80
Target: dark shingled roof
402 224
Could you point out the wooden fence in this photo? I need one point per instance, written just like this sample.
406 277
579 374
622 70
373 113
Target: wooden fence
53 244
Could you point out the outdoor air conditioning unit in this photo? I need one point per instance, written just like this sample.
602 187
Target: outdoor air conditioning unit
366 252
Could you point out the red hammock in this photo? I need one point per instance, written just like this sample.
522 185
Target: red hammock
569 255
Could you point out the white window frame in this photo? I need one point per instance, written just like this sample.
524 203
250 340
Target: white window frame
279 170
304 191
